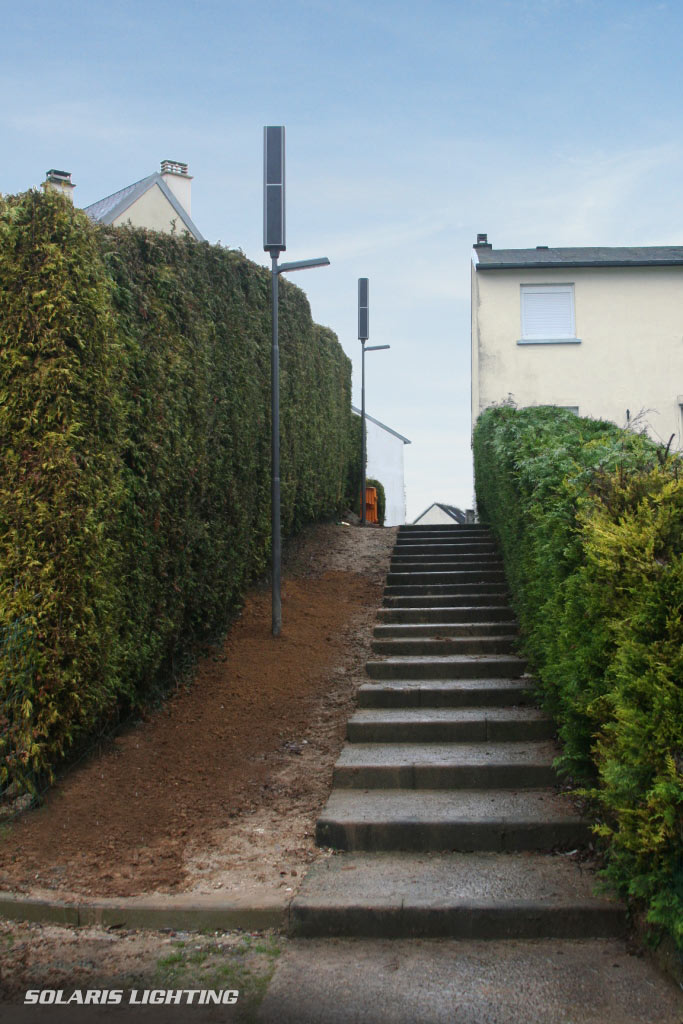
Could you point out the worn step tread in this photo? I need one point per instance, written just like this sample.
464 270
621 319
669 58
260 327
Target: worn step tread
431 879
447 614
446 666
445 692
498 805
446 765
470 714
444 646
439 630
536 752
512 723
465 895
425 602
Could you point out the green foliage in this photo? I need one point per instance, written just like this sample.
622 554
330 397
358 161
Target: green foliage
381 500
590 522
353 475
135 439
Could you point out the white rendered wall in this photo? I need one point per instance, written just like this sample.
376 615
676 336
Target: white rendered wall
436 516
152 210
181 187
385 463
630 322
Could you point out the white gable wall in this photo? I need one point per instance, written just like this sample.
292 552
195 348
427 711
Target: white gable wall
385 463
435 516
152 210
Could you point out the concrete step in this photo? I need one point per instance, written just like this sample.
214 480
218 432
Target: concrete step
446 766
453 666
433 646
425 540
464 820
446 531
442 693
418 630
444 589
444 563
442 615
450 601
433 545
463 724
473 551
455 895
471 629
457 577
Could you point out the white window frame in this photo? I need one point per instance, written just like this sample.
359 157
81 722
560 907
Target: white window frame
547 338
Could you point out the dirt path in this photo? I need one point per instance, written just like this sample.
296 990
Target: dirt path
220 789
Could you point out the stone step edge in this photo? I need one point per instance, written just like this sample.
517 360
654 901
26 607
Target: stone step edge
507 920
185 912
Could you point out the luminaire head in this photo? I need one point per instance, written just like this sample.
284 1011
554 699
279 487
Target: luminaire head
363 309
274 189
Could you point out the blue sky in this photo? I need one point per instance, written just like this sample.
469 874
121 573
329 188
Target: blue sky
410 128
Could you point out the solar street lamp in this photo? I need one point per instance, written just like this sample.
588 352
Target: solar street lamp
274 243
363 335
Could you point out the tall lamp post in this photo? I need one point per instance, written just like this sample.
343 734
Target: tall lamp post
274 243
363 335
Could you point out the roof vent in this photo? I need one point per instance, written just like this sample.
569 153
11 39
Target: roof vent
541 246
482 242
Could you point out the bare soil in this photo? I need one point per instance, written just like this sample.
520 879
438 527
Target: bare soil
220 788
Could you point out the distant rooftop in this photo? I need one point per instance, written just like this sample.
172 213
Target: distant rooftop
107 210
488 258
456 514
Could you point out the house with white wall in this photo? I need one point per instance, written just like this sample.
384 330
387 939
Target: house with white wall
162 201
439 514
385 463
596 330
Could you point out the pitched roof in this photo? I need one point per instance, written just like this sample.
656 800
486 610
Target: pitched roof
382 425
455 513
108 209
487 258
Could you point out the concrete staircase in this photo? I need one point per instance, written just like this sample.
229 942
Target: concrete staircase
444 799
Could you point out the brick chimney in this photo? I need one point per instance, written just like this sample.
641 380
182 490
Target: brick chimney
174 174
482 242
59 181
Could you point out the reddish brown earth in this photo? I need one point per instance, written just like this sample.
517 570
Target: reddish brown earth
220 788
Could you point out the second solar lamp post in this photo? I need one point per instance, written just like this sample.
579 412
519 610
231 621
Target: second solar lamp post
363 335
274 243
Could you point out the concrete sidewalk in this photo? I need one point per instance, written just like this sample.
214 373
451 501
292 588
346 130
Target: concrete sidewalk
431 981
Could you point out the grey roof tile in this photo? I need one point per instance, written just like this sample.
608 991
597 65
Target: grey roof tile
580 256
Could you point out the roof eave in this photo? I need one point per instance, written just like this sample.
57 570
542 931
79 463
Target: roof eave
574 264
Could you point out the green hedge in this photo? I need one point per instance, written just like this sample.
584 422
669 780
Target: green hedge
135 440
590 522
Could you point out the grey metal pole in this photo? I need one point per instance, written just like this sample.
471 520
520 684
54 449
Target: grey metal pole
363 440
275 445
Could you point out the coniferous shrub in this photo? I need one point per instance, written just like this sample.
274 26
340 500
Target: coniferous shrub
135 461
590 523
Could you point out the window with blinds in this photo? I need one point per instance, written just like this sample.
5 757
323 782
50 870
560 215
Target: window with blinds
548 312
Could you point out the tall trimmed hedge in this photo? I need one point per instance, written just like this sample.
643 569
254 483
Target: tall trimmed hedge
590 522
135 448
